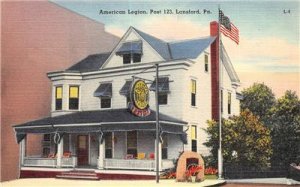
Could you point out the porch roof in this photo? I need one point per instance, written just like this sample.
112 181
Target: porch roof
100 120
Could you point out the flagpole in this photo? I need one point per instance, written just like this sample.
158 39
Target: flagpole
220 159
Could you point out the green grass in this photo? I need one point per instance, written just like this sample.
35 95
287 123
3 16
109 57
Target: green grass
211 177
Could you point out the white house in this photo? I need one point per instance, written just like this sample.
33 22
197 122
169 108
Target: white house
91 126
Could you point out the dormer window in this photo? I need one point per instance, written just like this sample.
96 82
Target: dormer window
104 92
131 52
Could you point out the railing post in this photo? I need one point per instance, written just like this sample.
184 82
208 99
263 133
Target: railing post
101 154
60 149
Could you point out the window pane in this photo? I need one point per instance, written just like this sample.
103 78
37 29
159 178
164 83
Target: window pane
137 57
194 132
193 86
163 99
105 102
206 63
58 94
126 58
194 145
108 140
164 153
229 103
131 139
74 92
73 103
193 99
58 104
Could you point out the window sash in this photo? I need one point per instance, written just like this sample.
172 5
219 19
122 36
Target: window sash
229 103
136 57
58 92
126 59
105 103
163 99
74 92
206 63
194 132
194 145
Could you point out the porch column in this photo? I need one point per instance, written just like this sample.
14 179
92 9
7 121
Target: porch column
60 150
159 156
101 154
22 150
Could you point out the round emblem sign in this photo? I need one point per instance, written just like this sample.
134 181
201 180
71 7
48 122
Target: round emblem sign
140 94
139 99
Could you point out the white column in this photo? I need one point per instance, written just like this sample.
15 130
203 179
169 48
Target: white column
22 151
160 156
60 150
101 154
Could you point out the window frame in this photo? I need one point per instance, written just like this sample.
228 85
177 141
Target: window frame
206 66
164 147
108 150
134 148
60 100
105 98
194 142
160 99
229 98
193 93
75 99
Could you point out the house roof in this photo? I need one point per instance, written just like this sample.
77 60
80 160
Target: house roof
99 116
90 63
186 49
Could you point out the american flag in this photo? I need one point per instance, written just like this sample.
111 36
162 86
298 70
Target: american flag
227 28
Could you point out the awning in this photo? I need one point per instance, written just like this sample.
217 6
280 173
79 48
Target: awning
99 121
125 90
104 90
130 48
163 85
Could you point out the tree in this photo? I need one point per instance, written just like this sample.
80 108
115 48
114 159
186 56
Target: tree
259 99
285 130
246 141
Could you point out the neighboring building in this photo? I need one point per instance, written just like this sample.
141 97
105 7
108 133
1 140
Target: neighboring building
38 37
90 121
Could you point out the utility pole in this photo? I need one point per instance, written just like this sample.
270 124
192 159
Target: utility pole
157 126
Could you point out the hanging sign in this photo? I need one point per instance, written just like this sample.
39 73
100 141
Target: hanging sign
139 96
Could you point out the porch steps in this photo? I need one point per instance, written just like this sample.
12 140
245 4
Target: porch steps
85 175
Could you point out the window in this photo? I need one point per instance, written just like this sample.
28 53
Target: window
58 98
108 145
132 143
74 97
193 92
164 148
126 58
105 102
163 99
206 63
46 144
229 103
194 138
221 101
135 57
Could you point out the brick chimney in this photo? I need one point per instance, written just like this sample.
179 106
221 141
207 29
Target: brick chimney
214 51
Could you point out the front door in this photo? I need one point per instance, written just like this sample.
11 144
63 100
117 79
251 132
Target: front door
82 150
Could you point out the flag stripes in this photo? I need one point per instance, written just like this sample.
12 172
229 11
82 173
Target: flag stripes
227 28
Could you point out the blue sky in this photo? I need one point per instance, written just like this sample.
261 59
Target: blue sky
269 38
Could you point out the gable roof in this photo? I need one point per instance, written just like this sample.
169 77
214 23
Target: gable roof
90 63
185 49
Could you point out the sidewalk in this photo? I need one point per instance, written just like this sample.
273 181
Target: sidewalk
107 183
284 181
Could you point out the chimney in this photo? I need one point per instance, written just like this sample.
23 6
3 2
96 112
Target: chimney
214 51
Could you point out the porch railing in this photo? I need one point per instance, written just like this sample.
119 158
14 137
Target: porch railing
49 162
42 162
135 164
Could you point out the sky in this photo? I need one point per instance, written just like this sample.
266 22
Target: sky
268 51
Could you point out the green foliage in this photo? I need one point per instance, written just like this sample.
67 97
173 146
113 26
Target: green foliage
259 99
285 131
246 141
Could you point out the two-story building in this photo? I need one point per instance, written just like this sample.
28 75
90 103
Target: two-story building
91 127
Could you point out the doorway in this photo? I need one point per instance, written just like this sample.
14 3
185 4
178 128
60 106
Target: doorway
82 150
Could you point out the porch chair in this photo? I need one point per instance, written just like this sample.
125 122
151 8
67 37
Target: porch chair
129 156
141 156
151 156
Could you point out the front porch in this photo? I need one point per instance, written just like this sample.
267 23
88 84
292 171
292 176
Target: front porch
102 140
